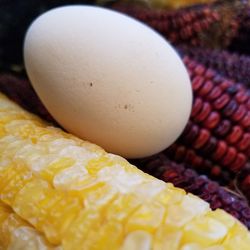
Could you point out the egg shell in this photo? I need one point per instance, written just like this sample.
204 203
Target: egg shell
109 79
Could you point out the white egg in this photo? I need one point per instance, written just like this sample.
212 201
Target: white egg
109 79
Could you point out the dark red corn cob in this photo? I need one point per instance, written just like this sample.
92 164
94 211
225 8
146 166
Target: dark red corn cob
193 25
212 25
184 177
203 164
231 65
216 139
21 91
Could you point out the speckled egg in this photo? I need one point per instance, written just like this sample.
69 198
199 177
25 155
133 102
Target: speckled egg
109 79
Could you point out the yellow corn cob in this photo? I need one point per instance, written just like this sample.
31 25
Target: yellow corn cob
80 197
15 233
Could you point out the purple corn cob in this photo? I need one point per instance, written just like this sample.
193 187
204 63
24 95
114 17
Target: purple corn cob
231 65
182 176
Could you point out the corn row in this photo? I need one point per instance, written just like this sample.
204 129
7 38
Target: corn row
230 65
15 233
178 26
80 197
212 25
219 126
182 154
182 176
216 139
